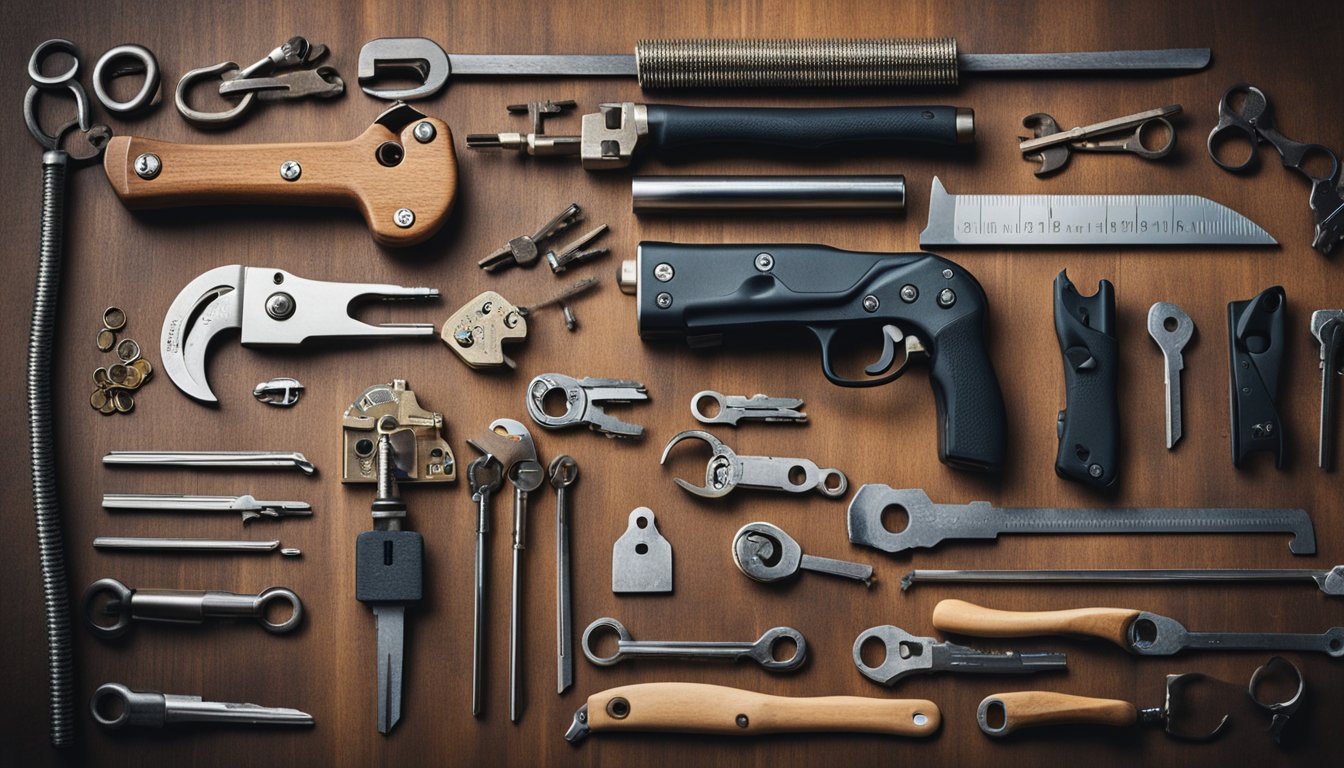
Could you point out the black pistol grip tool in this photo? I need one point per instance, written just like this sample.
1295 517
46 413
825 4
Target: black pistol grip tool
1089 425
923 302
1255 331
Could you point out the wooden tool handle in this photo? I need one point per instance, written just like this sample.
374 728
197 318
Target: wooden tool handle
969 619
697 708
345 174
1003 713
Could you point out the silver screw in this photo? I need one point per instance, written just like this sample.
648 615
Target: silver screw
663 272
663 300
571 322
280 305
947 273
765 262
463 337
908 293
148 165
742 721
424 132
404 217
870 303
290 170
947 297
1095 470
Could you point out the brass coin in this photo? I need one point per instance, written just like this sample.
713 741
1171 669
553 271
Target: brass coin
100 377
128 350
98 399
108 408
142 365
122 401
114 318
117 373
133 378
106 340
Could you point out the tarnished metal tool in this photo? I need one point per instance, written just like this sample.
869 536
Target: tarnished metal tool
244 459
905 655
115 706
1052 145
484 475
731 409
761 650
1280 711
930 524
1004 713
564 472
726 470
1331 581
250 507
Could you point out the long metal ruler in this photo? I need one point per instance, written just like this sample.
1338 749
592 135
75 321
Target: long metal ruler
1013 220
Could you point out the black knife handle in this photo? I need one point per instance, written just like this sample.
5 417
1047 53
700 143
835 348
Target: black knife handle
1255 334
1089 425
879 128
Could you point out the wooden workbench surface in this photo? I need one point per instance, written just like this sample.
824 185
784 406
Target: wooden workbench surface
884 435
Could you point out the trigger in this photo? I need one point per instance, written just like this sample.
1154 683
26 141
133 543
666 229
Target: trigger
890 336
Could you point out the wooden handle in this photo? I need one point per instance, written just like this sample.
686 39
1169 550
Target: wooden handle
697 708
969 619
1003 713
344 174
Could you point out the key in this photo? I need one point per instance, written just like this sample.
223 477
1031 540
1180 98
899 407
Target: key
484 476
114 706
1172 329
907 655
524 250
764 552
564 472
735 408
761 651
1327 325
928 524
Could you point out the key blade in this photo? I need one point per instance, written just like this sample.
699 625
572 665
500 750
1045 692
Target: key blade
948 657
1153 60
391 621
191 709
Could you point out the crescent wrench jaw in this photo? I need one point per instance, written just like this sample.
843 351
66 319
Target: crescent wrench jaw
722 472
209 305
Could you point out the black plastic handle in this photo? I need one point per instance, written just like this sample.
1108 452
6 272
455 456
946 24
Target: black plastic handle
1089 425
676 128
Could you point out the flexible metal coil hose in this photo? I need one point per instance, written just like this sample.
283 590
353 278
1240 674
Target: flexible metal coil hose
705 63
41 449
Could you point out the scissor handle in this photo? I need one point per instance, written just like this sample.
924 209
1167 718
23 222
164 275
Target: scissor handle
1144 130
1243 123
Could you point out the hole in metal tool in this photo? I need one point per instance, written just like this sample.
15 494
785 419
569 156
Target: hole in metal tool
873 652
895 518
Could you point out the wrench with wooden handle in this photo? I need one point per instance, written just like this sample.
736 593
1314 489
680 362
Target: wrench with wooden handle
1139 632
400 174
697 708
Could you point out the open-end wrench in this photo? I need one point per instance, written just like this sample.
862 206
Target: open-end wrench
564 472
761 650
484 476
929 523
1139 632
908 655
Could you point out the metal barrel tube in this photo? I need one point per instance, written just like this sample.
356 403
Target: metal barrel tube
672 194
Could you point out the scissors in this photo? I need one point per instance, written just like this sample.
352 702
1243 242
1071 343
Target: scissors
1051 146
1244 116
92 138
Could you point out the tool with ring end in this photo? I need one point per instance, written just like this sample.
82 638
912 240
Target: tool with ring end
726 471
1004 713
731 409
1330 581
277 75
906 655
1281 711
74 145
1052 146
177 606
115 706
564 472
765 553
583 399
761 651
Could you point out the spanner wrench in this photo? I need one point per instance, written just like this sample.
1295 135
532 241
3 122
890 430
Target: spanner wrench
761 651
908 655
929 523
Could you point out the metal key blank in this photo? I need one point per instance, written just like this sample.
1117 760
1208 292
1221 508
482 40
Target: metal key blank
929 524
641 560
179 606
146 708
764 552
761 651
1172 329
906 654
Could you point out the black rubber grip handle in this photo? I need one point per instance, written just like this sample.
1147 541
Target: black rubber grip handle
1089 425
675 128
972 422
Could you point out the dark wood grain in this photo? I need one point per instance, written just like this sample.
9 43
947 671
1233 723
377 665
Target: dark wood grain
140 261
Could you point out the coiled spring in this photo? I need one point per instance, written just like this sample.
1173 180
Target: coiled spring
705 63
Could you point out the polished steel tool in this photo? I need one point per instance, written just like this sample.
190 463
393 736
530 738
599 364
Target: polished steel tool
115 706
1084 220
1331 581
1172 329
734 194
905 655
171 544
727 470
583 401
761 650
564 472
928 524
180 606
765 63
731 409
234 459
765 553
1327 328
250 507
525 475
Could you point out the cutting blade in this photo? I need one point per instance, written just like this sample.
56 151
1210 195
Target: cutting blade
1017 220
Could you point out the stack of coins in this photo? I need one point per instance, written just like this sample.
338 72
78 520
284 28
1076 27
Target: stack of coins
118 381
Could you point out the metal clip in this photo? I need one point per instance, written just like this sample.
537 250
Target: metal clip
293 53
280 392
1281 710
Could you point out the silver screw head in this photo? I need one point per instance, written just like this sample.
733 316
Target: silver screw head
148 165
404 217
947 274
463 337
1095 470
663 272
424 132
765 262
947 297
280 305
663 300
870 303
290 170
909 293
